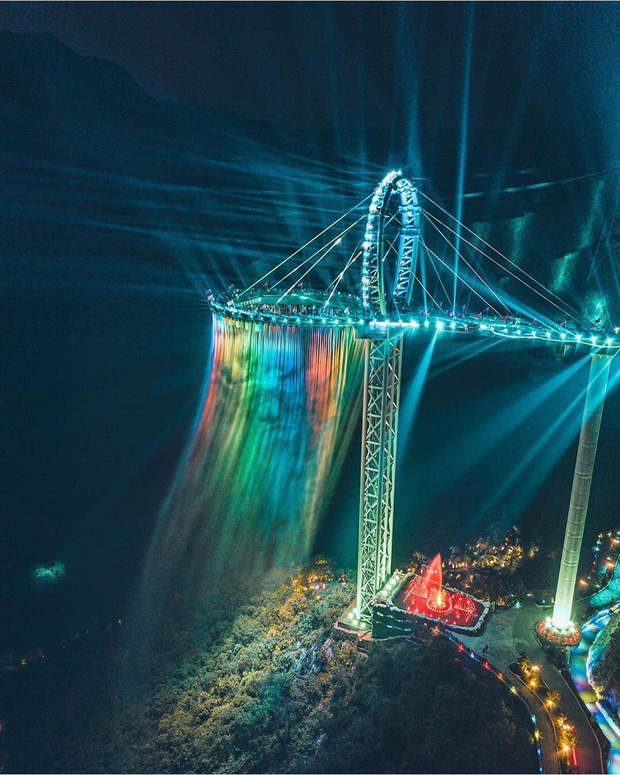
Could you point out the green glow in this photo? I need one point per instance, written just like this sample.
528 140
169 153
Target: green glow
596 306
48 574
564 272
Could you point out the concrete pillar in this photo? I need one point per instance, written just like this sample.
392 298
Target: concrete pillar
580 494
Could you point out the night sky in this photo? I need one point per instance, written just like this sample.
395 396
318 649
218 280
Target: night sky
540 74
247 126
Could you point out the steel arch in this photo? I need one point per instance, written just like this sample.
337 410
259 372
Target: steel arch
377 299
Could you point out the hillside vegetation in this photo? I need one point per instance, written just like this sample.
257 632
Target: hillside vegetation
270 690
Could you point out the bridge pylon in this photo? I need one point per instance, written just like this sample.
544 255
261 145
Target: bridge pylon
559 628
382 373
385 295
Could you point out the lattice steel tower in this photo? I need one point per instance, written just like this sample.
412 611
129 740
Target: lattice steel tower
388 272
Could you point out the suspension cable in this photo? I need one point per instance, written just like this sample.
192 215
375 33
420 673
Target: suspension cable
441 261
329 245
439 278
349 263
333 244
427 292
499 253
505 269
292 255
462 257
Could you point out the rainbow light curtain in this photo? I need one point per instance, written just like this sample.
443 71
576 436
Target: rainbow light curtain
277 422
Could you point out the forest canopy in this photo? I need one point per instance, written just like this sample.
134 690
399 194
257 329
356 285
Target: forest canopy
270 690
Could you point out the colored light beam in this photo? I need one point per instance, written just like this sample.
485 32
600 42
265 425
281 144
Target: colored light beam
412 399
469 39
536 465
275 427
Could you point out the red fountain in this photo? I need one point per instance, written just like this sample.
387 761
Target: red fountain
426 596
437 598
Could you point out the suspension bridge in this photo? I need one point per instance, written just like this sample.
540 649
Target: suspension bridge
397 265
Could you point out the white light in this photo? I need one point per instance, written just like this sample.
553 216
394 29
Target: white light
366 245
414 324
453 324
563 335
609 340
578 337
593 338
338 241
483 326
426 324
439 325
548 334
519 331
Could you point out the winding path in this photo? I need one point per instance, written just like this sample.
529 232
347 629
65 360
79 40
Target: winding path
507 634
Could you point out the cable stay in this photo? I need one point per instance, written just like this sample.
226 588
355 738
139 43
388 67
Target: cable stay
564 311
495 250
296 252
462 257
473 290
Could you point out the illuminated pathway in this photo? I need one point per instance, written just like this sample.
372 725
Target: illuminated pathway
577 664
507 634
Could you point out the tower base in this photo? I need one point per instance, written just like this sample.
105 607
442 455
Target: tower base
567 636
